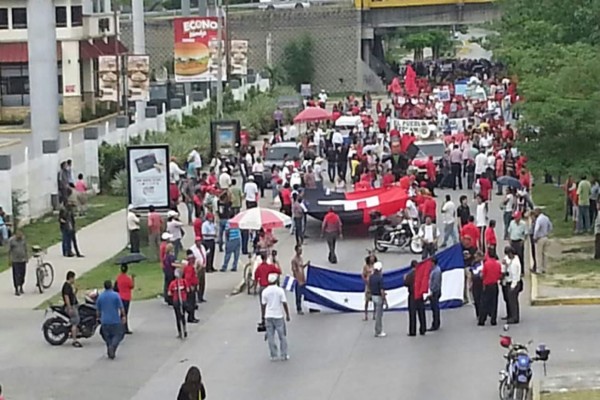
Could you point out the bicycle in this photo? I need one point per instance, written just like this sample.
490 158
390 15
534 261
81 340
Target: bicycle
44 272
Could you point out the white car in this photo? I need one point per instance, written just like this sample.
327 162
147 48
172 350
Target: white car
282 4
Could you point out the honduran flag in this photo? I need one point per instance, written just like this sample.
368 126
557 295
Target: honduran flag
329 290
289 283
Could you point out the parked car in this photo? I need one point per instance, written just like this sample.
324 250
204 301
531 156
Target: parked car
275 156
282 4
434 148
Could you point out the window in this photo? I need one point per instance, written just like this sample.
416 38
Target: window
14 85
61 17
19 18
76 16
3 18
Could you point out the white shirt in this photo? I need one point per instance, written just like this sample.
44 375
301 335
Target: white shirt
491 161
251 191
448 212
295 179
411 209
322 97
199 254
480 163
509 204
133 222
174 228
194 157
429 233
292 132
258 167
513 267
337 138
480 216
273 297
216 163
485 142
318 170
224 180
175 172
249 159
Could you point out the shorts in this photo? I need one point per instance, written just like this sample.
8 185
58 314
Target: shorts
75 319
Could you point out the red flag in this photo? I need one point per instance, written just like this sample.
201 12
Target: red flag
410 81
422 278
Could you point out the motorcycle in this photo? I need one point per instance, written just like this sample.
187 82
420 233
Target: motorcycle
401 236
57 329
515 378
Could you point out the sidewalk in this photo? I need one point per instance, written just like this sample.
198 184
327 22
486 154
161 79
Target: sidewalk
98 242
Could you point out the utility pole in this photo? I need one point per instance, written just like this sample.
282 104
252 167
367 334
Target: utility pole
139 47
186 12
220 59
117 55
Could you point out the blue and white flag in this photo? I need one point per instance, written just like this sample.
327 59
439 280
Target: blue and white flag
289 283
329 290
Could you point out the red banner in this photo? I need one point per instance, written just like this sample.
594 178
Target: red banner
196 49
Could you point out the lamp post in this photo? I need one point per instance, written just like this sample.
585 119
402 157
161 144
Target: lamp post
220 59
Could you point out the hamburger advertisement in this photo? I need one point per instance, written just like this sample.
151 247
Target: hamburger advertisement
195 50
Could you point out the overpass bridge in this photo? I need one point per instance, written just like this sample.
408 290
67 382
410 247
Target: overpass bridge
345 34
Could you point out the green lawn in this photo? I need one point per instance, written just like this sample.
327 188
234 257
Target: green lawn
553 200
148 278
576 266
45 232
578 395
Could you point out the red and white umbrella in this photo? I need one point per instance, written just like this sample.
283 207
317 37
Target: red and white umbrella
256 218
312 114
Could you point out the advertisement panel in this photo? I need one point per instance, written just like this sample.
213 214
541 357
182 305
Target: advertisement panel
148 176
138 78
225 137
196 49
108 75
238 59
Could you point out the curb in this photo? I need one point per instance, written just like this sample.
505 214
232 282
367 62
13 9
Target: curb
559 301
535 390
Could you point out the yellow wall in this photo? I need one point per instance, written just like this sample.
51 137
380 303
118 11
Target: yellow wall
366 4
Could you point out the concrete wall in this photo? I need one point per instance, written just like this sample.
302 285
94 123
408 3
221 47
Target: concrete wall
336 33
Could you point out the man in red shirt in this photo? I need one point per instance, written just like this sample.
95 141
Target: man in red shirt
490 237
525 179
491 275
191 280
471 233
286 199
178 291
261 275
124 284
485 188
154 230
165 240
431 174
430 208
331 229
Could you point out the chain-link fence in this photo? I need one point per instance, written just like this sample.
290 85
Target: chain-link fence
336 33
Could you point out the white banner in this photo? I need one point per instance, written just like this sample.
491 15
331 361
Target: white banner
138 78
108 78
148 175
420 127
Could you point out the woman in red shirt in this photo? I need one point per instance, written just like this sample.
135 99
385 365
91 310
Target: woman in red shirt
490 237
191 280
124 284
178 291
286 199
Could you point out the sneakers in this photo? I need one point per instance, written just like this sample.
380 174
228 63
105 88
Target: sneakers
382 334
274 359
285 358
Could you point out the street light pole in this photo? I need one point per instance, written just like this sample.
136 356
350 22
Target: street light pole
220 59
117 55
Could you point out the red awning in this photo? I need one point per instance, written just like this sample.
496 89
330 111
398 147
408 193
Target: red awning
18 53
99 47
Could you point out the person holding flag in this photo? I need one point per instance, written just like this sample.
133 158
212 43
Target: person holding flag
298 267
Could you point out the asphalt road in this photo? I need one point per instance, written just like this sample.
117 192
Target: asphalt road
333 356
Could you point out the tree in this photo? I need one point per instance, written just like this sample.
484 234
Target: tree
298 61
553 48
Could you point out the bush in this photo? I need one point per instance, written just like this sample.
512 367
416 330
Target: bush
298 62
119 184
111 159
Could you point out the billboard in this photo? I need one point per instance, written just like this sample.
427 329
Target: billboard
138 78
148 175
196 49
108 75
238 57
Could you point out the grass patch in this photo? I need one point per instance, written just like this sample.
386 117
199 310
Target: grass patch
148 278
45 232
581 273
554 201
575 395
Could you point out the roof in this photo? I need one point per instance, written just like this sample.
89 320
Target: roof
18 52
98 47
285 144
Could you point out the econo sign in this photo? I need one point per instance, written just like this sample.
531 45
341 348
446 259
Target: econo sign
200 25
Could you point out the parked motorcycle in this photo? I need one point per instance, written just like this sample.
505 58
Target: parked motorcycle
57 329
401 236
515 378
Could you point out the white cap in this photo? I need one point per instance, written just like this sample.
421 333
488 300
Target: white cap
130 207
251 178
172 213
378 266
166 236
273 278
224 169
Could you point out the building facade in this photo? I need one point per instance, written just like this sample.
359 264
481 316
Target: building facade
85 30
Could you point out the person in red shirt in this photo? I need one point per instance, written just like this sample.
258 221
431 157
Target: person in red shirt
174 195
394 133
490 237
124 284
212 179
491 275
261 275
331 228
525 179
178 291
430 208
470 233
191 280
154 229
485 188
382 123
197 230
431 174
286 199
388 179
165 240
406 181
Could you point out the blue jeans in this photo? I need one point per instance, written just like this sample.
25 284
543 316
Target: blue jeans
112 335
190 212
222 226
177 247
449 233
66 242
299 291
276 325
378 304
584 218
232 247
